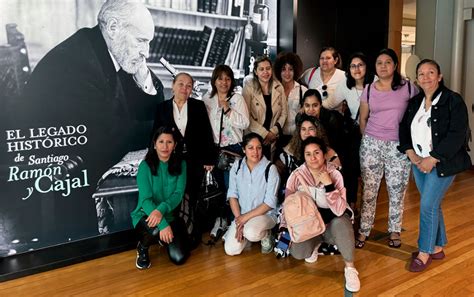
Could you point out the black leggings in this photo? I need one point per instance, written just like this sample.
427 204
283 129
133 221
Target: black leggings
178 250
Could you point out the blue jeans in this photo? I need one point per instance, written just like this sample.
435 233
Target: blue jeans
432 189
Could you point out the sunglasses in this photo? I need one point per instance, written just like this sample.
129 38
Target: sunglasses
325 92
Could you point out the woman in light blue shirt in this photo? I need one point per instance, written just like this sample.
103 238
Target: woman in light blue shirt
252 196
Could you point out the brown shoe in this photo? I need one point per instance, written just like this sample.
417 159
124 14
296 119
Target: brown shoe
417 265
436 256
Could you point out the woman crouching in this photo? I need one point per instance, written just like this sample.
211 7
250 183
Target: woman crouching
161 180
326 187
252 194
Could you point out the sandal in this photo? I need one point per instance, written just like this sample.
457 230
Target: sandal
359 243
394 240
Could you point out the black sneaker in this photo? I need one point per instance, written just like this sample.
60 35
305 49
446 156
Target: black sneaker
143 260
328 249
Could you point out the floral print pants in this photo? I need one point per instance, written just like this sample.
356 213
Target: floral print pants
379 157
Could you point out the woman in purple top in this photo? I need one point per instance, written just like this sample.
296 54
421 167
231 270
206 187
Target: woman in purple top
386 101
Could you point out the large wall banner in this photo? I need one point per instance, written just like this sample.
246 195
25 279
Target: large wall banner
73 129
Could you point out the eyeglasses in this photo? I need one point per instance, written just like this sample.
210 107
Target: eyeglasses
325 92
355 66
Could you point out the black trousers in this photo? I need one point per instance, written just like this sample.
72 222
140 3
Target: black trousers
178 250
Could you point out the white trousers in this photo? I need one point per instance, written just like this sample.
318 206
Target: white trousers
254 230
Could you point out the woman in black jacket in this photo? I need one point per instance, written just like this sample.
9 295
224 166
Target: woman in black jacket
188 117
433 135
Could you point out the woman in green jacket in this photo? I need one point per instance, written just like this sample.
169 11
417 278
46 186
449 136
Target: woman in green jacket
161 182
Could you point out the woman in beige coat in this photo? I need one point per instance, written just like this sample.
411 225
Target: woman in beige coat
266 101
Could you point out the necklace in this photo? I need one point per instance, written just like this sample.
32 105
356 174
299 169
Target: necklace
357 92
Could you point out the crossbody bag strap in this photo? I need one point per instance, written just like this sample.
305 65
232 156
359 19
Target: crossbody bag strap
222 120
311 75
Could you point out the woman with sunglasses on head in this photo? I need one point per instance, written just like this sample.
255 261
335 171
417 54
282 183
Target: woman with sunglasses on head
331 120
288 68
266 101
348 93
161 181
291 158
382 105
326 77
433 135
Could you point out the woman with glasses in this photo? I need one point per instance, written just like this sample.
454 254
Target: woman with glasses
326 77
382 105
357 77
348 94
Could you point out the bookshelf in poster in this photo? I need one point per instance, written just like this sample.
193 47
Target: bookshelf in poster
234 8
195 39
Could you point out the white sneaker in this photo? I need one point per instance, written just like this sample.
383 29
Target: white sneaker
314 256
352 279
267 243
220 227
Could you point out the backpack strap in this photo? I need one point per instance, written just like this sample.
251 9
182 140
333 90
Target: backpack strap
311 75
267 170
238 166
368 92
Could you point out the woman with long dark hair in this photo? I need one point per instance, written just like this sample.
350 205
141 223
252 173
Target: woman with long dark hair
291 156
358 75
348 92
161 181
386 101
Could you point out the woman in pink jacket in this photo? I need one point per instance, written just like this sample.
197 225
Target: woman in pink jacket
326 186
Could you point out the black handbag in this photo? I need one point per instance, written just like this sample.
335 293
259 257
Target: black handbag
226 158
211 194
